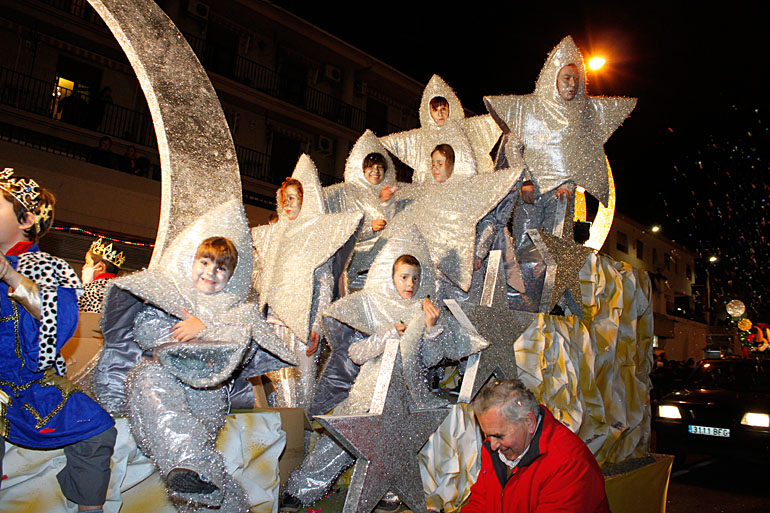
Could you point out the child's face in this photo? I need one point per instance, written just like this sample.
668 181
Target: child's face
374 174
208 277
440 114
292 203
11 230
441 169
567 81
406 278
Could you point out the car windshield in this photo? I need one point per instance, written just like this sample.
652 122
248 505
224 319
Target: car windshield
735 375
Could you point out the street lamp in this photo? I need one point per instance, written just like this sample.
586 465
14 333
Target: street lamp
596 63
655 229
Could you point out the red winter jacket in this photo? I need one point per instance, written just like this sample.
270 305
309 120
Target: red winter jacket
558 473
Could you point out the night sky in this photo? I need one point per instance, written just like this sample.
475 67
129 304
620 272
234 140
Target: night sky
694 154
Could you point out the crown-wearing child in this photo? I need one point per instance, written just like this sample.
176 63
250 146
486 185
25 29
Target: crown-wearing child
102 263
39 408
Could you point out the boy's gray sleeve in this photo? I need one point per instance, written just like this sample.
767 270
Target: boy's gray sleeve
152 327
323 286
485 235
365 348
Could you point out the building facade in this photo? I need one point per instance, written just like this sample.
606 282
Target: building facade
286 87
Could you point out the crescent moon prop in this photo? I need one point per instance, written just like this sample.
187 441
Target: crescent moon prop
197 153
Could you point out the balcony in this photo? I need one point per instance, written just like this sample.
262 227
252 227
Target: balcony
49 100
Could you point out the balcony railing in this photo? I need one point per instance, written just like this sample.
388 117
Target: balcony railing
47 99
223 61
78 8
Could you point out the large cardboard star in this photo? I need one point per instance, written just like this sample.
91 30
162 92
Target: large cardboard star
385 442
289 252
563 260
500 326
564 140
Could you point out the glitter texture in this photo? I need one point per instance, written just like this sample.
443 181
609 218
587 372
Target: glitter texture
356 194
449 225
471 138
497 324
196 149
385 446
563 260
564 140
290 252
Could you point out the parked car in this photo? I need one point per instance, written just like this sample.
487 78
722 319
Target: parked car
722 408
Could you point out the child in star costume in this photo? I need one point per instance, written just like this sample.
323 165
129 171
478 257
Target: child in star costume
180 341
394 303
39 408
369 186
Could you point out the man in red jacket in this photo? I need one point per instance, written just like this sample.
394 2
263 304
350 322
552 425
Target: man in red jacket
531 462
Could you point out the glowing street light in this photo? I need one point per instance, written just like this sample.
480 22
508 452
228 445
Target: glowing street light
596 63
713 258
655 229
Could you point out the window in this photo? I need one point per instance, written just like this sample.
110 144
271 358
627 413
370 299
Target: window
640 250
667 261
688 272
621 242
654 256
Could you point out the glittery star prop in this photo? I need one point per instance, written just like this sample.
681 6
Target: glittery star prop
385 444
563 259
289 252
564 140
472 139
449 225
499 325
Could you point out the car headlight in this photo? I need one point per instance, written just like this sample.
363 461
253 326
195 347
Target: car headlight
756 419
669 411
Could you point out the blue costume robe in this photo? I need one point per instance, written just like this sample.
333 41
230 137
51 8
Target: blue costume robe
44 410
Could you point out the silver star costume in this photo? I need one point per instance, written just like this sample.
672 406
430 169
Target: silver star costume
472 139
356 194
372 312
563 139
177 402
295 278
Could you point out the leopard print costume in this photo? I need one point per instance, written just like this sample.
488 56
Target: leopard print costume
93 296
49 273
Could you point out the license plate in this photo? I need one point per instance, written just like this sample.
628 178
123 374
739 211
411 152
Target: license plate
711 431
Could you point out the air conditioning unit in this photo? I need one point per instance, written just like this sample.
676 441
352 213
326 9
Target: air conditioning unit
198 8
325 145
332 73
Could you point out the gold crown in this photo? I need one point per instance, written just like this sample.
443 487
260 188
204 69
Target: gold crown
26 192
106 252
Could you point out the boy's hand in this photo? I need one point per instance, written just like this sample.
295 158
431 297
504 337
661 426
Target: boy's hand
561 192
387 192
431 313
528 193
476 263
188 329
8 274
378 224
400 328
315 338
